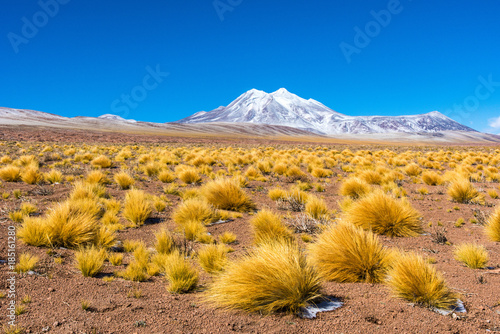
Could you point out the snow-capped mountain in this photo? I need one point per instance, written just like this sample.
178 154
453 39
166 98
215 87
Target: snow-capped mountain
284 108
112 117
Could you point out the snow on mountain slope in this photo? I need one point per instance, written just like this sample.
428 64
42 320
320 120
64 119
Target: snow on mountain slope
112 117
284 108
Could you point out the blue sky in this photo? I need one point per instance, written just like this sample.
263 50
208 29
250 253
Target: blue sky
164 60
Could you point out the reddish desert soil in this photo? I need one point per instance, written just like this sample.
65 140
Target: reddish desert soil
58 289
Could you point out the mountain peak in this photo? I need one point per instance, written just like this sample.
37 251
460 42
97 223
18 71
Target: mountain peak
287 109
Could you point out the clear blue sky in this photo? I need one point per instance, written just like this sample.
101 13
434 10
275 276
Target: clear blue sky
85 56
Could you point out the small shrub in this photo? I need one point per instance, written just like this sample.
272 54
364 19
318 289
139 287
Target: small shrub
472 255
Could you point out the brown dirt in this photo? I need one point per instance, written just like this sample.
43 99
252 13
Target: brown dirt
58 289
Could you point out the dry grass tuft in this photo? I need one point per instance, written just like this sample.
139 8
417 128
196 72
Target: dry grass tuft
316 208
492 227
462 191
102 161
383 214
10 174
165 243
227 238
26 263
354 188
124 180
472 255
226 194
136 208
267 226
182 277
32 175
415 280
90 260
195 210
189 175
33 231
432 178
273 277
212 258
346 253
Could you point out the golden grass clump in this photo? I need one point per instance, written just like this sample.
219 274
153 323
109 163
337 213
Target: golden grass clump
97 176
492 227
225 194
371 177
347 253
273 277
354 188
16 216
10 174
33 231
462 191
26 263
70 228
227 238
124 180
277 194
193 229
316 208
321 172
28 208
195 210
31 175
134 272
472 255
54 176
267 226
188 175
84 190
182 277
383 214
136 208
432 178
212 258
166 176
164 241
417 281
413 169
102 161
90 260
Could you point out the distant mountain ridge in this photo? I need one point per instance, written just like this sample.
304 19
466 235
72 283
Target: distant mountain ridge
284 108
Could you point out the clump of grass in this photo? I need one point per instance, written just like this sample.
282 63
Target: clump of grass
164 242
212 258
460 222
493 194
277 194
193 229
166 176
32 175
26 263
383 214
90 260
267 226
321 172
432 178
205 238
124 180
226 194
423 190
104 237
28 208
413 279
10 174
131 245
97 176
472 255
54 176
492 227
227 238
85 304
354 188
316 208
413 169
462 191
16 216
273 277
346 253
136 208
102 161
33 231
182 277
189 175
135 271
195 210
116 259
